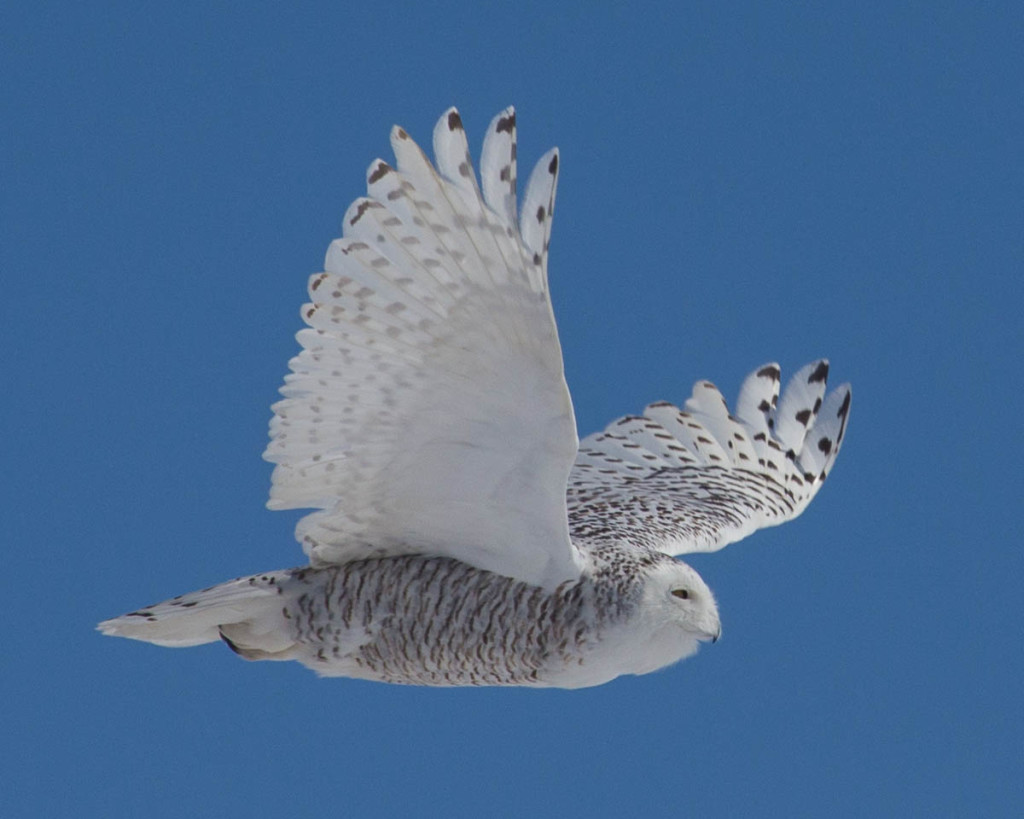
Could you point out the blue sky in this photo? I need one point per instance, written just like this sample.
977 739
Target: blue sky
739 183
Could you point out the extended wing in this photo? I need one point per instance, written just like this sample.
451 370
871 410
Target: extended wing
428 411
696 479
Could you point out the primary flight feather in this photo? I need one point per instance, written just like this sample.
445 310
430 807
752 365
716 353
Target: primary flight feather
463 535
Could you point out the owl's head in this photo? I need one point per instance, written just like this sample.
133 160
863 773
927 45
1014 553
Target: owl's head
676 594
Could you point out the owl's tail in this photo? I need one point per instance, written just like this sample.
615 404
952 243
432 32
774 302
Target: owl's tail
246 613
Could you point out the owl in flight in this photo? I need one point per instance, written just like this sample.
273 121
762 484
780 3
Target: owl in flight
463 535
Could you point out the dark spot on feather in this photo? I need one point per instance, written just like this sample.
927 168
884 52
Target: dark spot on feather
771 371
379 172
844 407
825 445
803 416
553 165
454 121
363 207
820 373
506 124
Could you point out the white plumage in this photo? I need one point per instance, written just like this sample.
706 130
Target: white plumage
462 534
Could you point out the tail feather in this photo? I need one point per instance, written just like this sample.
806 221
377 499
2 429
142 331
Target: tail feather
197 617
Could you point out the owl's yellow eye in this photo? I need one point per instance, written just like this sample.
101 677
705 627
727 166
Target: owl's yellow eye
683 594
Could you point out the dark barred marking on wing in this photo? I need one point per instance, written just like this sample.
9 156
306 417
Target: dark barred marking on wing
698 478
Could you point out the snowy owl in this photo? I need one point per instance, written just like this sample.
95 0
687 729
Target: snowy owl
463 535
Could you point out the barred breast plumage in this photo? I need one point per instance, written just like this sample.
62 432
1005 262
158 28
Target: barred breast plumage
436 621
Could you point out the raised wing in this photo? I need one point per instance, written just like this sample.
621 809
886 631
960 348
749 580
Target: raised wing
428 410
696 479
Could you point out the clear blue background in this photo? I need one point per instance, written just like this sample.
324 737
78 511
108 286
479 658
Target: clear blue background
741 182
